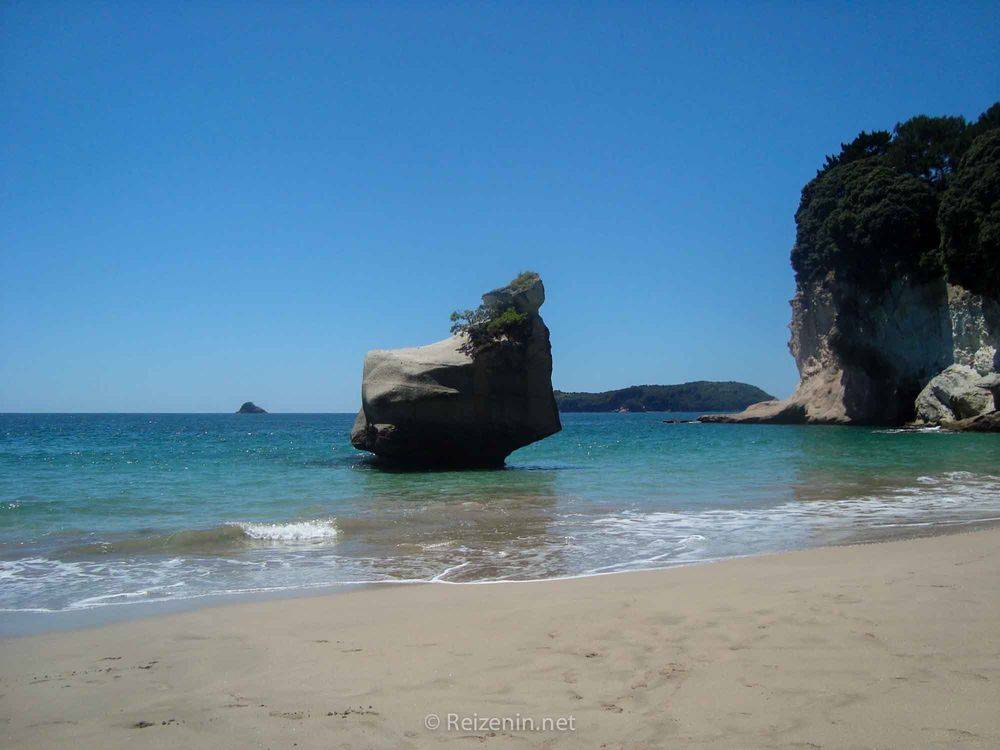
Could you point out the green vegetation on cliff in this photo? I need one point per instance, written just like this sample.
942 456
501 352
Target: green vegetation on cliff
494 321
702 395
969 216
922 201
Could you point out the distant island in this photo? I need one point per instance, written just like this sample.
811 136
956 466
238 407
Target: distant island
701 395
250 407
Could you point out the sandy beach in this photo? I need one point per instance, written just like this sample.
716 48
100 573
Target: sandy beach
884 645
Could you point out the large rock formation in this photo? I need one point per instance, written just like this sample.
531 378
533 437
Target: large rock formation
865 358
460 403
959 392
249 407
896 315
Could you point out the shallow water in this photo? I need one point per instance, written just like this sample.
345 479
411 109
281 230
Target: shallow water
108 509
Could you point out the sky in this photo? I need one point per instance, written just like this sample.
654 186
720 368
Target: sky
204 203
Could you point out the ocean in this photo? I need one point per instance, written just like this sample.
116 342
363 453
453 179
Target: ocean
108 510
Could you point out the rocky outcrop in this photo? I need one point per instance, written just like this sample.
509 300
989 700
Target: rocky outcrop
958 393
865 358
983 423
249 407
448 404
897 269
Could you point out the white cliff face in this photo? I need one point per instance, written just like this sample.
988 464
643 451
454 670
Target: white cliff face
970 387
813 318
975 326
864 359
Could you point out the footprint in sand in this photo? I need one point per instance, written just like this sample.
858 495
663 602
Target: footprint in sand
293 715
359 711
673 670
147 724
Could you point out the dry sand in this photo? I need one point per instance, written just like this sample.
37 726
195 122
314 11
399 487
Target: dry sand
883 645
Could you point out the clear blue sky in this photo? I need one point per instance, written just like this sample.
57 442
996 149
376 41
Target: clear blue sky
204 203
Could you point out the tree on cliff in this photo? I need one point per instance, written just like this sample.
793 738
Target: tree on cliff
919 202
865 145
867 221
970 217
928 147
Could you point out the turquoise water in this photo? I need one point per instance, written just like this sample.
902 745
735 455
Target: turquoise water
108 509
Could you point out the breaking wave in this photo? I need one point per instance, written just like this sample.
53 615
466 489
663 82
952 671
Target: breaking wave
300 531
216 539
466 542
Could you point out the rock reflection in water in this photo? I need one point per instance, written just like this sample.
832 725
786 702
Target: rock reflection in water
461 526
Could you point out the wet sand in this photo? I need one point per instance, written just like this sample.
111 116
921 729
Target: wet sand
882 645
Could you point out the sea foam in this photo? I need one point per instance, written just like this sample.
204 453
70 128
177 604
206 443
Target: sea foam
296 531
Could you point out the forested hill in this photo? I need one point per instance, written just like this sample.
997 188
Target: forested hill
702 395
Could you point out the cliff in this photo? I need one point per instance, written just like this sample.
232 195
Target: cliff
471 399
865 361
896 316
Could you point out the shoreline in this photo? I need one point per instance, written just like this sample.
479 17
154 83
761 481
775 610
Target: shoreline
294 508
893 643
28 623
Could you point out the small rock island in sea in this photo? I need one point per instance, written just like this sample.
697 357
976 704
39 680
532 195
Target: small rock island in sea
467 401
896 314
249 407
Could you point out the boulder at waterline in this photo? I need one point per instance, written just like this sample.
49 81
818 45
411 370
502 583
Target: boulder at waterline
469 400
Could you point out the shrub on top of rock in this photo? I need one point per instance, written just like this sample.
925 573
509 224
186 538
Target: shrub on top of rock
470 399
497 321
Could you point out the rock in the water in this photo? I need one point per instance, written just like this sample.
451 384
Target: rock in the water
250 407
957 393
445 405
989 422
766 412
